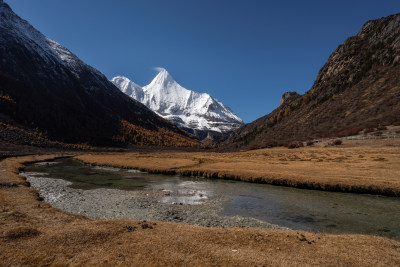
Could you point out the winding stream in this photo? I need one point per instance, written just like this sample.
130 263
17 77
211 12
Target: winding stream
301 209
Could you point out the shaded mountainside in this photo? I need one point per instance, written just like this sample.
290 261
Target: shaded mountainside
358 88
49 93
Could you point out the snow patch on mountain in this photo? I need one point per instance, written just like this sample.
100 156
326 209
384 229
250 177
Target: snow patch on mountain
128 87
49 50
185 108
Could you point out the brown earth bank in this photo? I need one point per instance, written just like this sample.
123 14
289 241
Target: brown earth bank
359 166
34 233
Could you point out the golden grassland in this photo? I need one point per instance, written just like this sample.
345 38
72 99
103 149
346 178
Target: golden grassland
34 233
368 166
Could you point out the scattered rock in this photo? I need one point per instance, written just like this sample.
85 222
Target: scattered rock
18 215
177 218
146 226
130 228
303 238
7 185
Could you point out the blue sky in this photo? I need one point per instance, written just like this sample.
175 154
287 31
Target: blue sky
246 53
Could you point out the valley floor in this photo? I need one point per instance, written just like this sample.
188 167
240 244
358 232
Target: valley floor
34 233
359 166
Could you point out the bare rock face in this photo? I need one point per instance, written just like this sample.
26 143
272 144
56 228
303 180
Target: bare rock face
377 43
358 87
288 96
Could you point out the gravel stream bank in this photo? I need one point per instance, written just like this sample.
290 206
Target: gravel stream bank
144 204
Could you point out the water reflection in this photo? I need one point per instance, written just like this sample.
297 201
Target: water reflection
294 208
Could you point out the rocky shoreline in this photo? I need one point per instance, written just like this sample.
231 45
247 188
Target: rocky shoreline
145 204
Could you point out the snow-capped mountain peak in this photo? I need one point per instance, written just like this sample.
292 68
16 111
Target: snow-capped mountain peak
163 79
128 87
199 113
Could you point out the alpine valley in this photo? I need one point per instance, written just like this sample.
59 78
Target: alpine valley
96 172
197 113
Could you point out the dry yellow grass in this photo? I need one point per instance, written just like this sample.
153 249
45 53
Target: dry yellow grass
34 233
361 169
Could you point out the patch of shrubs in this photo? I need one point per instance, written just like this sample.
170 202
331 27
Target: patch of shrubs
381 128
295 145
336 142
378 130
349 132
368 130
270 144
253 147
283 144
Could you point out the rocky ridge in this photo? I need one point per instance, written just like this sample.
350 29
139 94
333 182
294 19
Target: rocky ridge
357 89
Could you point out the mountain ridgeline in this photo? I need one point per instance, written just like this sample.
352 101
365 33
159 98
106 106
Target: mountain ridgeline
358 88
48 95
197 113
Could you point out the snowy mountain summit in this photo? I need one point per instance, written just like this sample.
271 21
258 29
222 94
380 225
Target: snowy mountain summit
198 113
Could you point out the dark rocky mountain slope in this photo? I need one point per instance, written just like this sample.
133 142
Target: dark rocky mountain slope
47 93
358 88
